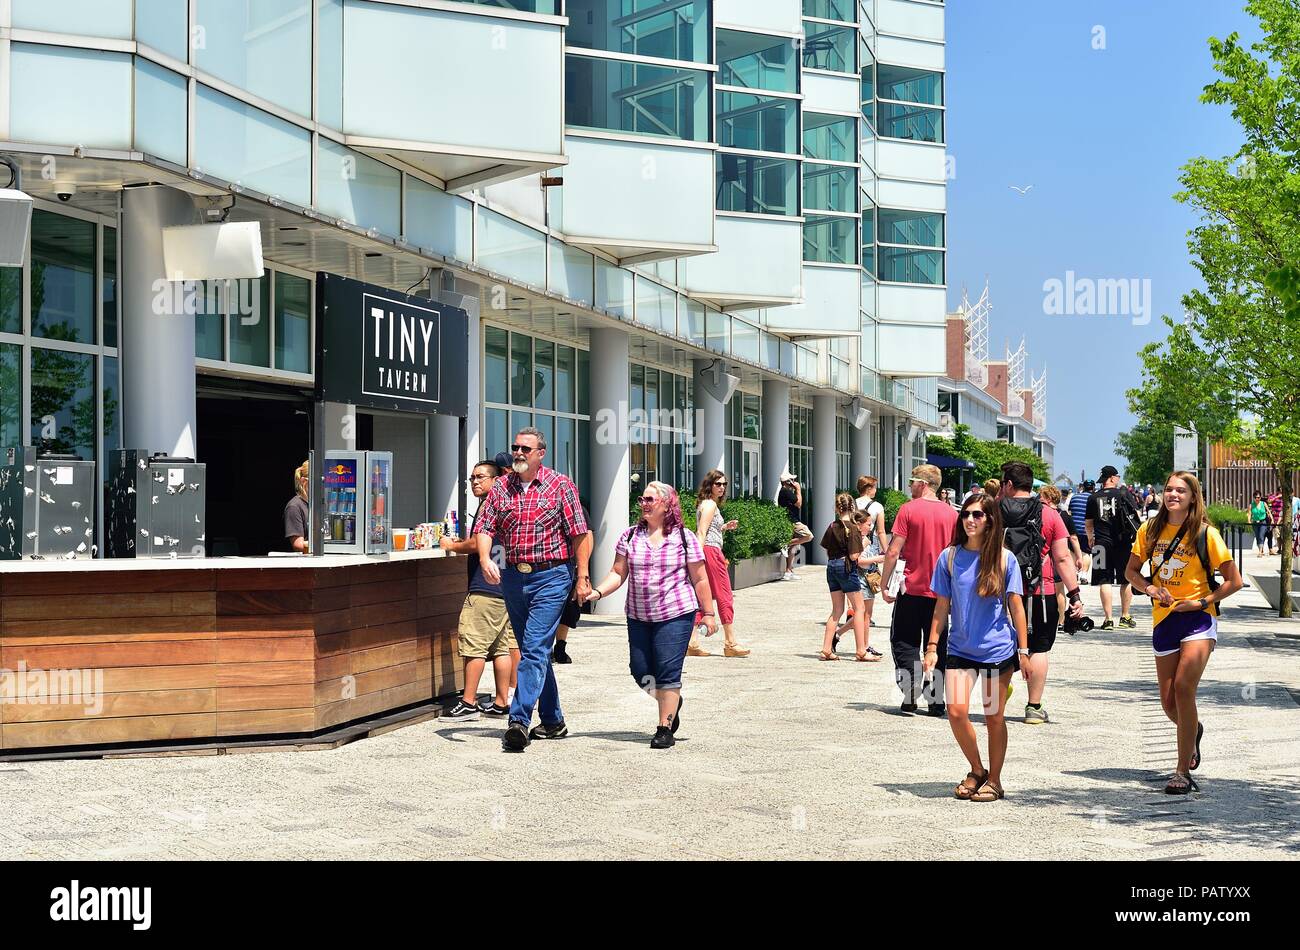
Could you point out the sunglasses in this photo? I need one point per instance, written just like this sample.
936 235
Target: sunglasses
973 514
647 499
525 449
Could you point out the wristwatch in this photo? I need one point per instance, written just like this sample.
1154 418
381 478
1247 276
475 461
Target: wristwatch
1023 651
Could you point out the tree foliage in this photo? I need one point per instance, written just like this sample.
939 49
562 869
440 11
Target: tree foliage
1149 449
987 456
1229 368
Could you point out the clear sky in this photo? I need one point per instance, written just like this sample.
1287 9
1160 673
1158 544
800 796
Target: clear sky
1101 135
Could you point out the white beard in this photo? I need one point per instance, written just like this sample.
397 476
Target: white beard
519 467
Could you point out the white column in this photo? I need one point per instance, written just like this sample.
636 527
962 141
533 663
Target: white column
446 476
611 460
776 435
823 476
861 449
711 428
159 412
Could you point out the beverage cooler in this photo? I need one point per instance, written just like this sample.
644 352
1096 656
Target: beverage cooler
47 503
358 515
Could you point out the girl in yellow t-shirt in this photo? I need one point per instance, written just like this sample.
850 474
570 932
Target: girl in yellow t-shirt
1184 608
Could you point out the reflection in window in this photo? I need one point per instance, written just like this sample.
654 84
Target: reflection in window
636 98
109 291
665 29
63 278
907 266
917 123
521 370
11 394
755 61
842 10
830 239
292 323
209 323
909 85
496 360
544 374
63 402
830 188
11 301
921 228
758 123
830 138
757 185
112 406
832 48
250 331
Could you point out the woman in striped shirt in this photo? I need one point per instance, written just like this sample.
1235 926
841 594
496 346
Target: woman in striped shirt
663 564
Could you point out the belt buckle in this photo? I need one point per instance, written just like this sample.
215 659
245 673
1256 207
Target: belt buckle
524 567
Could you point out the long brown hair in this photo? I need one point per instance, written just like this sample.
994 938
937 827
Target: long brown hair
1197 517
992 573
706 484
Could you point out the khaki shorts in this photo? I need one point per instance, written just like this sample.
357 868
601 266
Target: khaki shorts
801 531
484 628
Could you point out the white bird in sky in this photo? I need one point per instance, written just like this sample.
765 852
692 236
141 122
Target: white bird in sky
1022 191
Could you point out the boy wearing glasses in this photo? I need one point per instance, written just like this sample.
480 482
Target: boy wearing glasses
484 631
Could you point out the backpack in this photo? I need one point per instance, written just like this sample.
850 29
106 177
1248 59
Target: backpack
1022 519
1130 519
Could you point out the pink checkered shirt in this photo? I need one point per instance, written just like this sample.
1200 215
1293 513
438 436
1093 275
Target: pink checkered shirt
658 584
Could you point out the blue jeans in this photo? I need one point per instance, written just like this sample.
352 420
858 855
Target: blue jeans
535 603
657 649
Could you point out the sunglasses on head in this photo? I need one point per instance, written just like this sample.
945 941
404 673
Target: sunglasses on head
525 449
974 513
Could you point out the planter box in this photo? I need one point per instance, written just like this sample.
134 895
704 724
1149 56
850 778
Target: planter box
757 570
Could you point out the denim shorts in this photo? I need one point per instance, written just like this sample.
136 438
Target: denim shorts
841 576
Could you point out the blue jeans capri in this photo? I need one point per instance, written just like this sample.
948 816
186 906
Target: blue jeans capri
657 650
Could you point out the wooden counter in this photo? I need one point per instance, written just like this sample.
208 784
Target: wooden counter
216 648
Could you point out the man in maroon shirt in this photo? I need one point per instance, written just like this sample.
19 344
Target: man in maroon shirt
535 515
922 529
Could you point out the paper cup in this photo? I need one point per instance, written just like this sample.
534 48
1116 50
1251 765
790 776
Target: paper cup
400 537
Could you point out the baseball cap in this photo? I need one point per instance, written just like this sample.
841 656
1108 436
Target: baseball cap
1108 471
504 460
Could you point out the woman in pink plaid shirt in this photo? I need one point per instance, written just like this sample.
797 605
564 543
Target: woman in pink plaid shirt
664 566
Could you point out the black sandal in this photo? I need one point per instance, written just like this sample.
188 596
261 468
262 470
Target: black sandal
1176 786
1196 756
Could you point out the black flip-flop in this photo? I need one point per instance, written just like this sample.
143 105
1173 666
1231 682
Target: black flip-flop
677 716
1196 756
1191 786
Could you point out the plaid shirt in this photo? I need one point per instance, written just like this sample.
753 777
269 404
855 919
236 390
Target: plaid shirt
535 522
658 585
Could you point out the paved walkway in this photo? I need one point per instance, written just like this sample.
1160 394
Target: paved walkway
780 756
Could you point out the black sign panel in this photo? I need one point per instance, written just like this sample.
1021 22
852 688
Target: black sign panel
383 349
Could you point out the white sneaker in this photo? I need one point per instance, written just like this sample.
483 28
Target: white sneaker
789 576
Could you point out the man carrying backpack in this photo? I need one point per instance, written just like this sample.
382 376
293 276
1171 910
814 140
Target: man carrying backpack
1112 523
1035 532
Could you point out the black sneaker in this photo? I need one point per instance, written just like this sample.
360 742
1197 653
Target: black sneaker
663 738
908 709
516 738
561 653
1128 623
493 710
937 710
461 712
1108 625
543 731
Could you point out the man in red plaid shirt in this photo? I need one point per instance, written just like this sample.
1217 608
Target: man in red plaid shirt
535 514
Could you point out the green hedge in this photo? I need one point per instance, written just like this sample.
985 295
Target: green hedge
892 500
763 527
1226 513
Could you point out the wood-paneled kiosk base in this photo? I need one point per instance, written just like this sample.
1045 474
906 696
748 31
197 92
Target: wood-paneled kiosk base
115 653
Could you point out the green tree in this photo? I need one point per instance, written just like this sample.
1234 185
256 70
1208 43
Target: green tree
1230 367
1149 449
988 456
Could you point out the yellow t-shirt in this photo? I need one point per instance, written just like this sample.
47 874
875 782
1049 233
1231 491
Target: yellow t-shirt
1182 574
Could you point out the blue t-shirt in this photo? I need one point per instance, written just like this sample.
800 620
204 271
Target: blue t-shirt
1079 512
478 584
981 630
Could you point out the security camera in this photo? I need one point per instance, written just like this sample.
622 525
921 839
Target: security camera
65 192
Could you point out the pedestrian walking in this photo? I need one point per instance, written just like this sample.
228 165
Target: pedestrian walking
1259 523
1051 495
1111 522
536 513
1184 551
1036 535
790 497
922 528
709 528
663 566
843 544
988 638
484 633
1275 522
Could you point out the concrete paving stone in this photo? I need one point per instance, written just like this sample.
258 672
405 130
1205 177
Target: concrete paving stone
780 756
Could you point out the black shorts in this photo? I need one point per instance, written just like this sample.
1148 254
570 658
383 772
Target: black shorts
1010 665
1109 563
1043 616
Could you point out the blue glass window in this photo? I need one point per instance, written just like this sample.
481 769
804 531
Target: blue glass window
758 123
665 29
755 61
757 185
637 98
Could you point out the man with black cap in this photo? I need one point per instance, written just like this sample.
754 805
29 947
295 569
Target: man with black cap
1111 522
484 630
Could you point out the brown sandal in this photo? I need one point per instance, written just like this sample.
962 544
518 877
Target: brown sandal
988 792
868 658
964 791
827 656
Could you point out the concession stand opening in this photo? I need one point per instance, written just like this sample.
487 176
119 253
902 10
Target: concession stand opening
226 636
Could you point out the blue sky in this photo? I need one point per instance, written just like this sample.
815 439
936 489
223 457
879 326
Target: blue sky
1101 135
